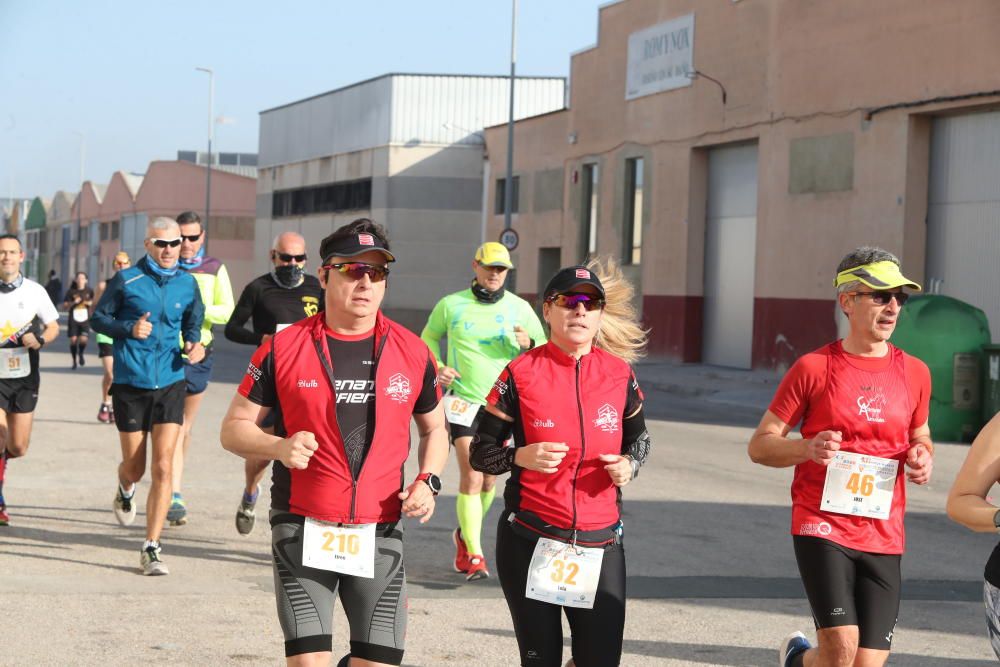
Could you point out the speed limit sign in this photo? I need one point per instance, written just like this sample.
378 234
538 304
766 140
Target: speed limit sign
509 239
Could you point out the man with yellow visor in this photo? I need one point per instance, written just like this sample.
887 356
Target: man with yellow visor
862 406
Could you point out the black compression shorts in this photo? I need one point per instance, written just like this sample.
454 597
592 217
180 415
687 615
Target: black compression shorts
850 587
375 608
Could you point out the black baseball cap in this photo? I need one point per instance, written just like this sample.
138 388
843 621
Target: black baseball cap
352 245
572 276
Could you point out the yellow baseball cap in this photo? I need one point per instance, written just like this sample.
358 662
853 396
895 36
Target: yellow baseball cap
877 275
492 253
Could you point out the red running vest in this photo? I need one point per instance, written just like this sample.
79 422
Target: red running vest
581 403
326 489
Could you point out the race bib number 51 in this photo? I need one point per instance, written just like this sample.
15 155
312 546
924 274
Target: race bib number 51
14 363
339 547
565 575
859 485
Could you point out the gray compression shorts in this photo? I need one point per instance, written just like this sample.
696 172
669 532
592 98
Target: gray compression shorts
375 608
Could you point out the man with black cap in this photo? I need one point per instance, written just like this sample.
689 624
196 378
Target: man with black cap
338 494
486 327
283 295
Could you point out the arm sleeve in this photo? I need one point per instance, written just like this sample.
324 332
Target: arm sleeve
103 320
430 392
193 317
487 453
435 329
258 385
635 440
236 330
221 308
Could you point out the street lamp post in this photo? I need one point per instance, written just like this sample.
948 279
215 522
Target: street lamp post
508 190
211 131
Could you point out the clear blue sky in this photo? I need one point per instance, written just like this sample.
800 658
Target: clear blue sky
122 73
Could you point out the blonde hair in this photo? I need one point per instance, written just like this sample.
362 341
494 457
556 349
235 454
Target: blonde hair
621 334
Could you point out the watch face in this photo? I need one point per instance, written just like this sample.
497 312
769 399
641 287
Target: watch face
435 483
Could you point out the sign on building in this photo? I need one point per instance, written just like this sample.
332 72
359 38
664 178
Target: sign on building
660 58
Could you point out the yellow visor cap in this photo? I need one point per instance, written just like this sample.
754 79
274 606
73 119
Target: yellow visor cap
877 275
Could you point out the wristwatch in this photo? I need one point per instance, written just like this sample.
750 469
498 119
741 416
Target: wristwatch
431 480
996 520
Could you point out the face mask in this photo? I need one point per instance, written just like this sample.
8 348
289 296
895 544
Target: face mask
288 276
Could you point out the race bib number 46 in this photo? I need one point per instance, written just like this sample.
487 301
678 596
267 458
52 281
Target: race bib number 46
859 485
565 575
339 547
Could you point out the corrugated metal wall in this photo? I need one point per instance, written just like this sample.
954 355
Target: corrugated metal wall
963 213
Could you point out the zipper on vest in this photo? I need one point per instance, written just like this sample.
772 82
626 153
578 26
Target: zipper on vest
583 443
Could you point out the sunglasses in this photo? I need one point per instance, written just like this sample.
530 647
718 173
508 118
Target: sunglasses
192 237
357 270
571 301
285 257
882 298
163 243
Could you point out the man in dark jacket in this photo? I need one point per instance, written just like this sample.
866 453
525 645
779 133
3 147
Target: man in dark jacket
146 309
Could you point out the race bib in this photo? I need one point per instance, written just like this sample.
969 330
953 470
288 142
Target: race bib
14 363
565 575
80 315
281 327
339 547
459 411
859 485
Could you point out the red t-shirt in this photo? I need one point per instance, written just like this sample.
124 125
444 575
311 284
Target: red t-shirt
875 403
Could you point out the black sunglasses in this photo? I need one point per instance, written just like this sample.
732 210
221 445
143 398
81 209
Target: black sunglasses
285 257
882 298
192 237
573 299
163 243
358 270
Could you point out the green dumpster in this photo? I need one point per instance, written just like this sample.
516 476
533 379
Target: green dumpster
948 335
991 381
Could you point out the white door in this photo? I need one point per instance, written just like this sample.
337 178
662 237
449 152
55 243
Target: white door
730 255
963 212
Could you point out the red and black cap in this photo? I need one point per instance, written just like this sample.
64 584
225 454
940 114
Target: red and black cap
572 276
352 246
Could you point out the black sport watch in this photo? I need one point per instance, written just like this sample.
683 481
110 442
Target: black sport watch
431 480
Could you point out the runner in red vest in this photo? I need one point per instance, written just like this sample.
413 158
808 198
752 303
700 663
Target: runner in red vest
338 491
575 410
863 406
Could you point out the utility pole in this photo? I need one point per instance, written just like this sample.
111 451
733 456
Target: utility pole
211 131
508 190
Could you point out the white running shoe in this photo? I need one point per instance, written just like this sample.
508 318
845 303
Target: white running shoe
124 507
150 562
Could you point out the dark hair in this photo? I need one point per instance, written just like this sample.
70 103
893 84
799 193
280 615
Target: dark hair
359 226
10 236
188 217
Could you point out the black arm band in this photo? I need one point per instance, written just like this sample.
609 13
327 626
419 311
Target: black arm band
635 439
487 453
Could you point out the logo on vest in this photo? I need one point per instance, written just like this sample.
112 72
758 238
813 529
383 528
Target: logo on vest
607 419
500 387
548 423
308 384
871 408
399 388
253 372
821 528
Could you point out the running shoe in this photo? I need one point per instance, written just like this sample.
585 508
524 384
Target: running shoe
104 414
791 647
477 568
246 515
177 514
461 551
124 508
4 518
150 562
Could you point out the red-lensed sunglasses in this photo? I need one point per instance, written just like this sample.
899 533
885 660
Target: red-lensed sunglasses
358 270
572 300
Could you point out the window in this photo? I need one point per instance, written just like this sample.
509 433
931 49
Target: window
632 229
502 194
588 211
114 230
104 231
332 198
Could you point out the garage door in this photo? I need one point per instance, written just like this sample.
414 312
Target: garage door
730 255
963 217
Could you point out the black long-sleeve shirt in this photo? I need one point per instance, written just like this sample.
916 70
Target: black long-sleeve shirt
270 305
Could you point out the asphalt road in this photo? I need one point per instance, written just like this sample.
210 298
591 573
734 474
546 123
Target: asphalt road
712 579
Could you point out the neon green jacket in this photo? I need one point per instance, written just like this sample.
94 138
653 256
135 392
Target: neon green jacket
481 338
216 294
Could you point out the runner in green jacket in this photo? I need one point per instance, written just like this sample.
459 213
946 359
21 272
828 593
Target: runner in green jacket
486 327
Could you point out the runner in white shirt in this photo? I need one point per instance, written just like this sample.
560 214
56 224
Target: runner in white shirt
23 305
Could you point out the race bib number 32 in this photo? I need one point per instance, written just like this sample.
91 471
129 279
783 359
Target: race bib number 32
565 575
859 485
338 547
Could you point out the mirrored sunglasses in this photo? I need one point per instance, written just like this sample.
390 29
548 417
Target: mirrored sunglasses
357 270
572 300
